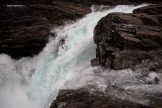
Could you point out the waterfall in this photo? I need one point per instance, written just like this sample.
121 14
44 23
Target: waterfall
33 82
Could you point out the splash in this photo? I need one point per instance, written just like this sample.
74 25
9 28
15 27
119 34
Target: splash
35 82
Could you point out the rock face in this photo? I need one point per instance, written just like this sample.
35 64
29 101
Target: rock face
48 2
87 2
126 40
82 98
24 30
112 2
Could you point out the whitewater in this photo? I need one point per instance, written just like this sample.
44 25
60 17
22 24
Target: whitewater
34 82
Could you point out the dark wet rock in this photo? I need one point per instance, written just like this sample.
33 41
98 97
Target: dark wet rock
141 94
95 62
151 10
151 78
87 2
100 2
47 2
25 30
156 80
82 98
156 100
126 40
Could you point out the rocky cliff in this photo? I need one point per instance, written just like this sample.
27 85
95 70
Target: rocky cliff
25 29
126 40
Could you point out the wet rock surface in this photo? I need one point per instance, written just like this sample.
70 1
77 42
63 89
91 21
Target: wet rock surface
24 30
89 97
113 89
87 2
82 98
125 40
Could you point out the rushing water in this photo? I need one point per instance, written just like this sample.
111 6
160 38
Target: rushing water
35 82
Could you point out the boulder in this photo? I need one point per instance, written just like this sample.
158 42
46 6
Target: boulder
128 39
